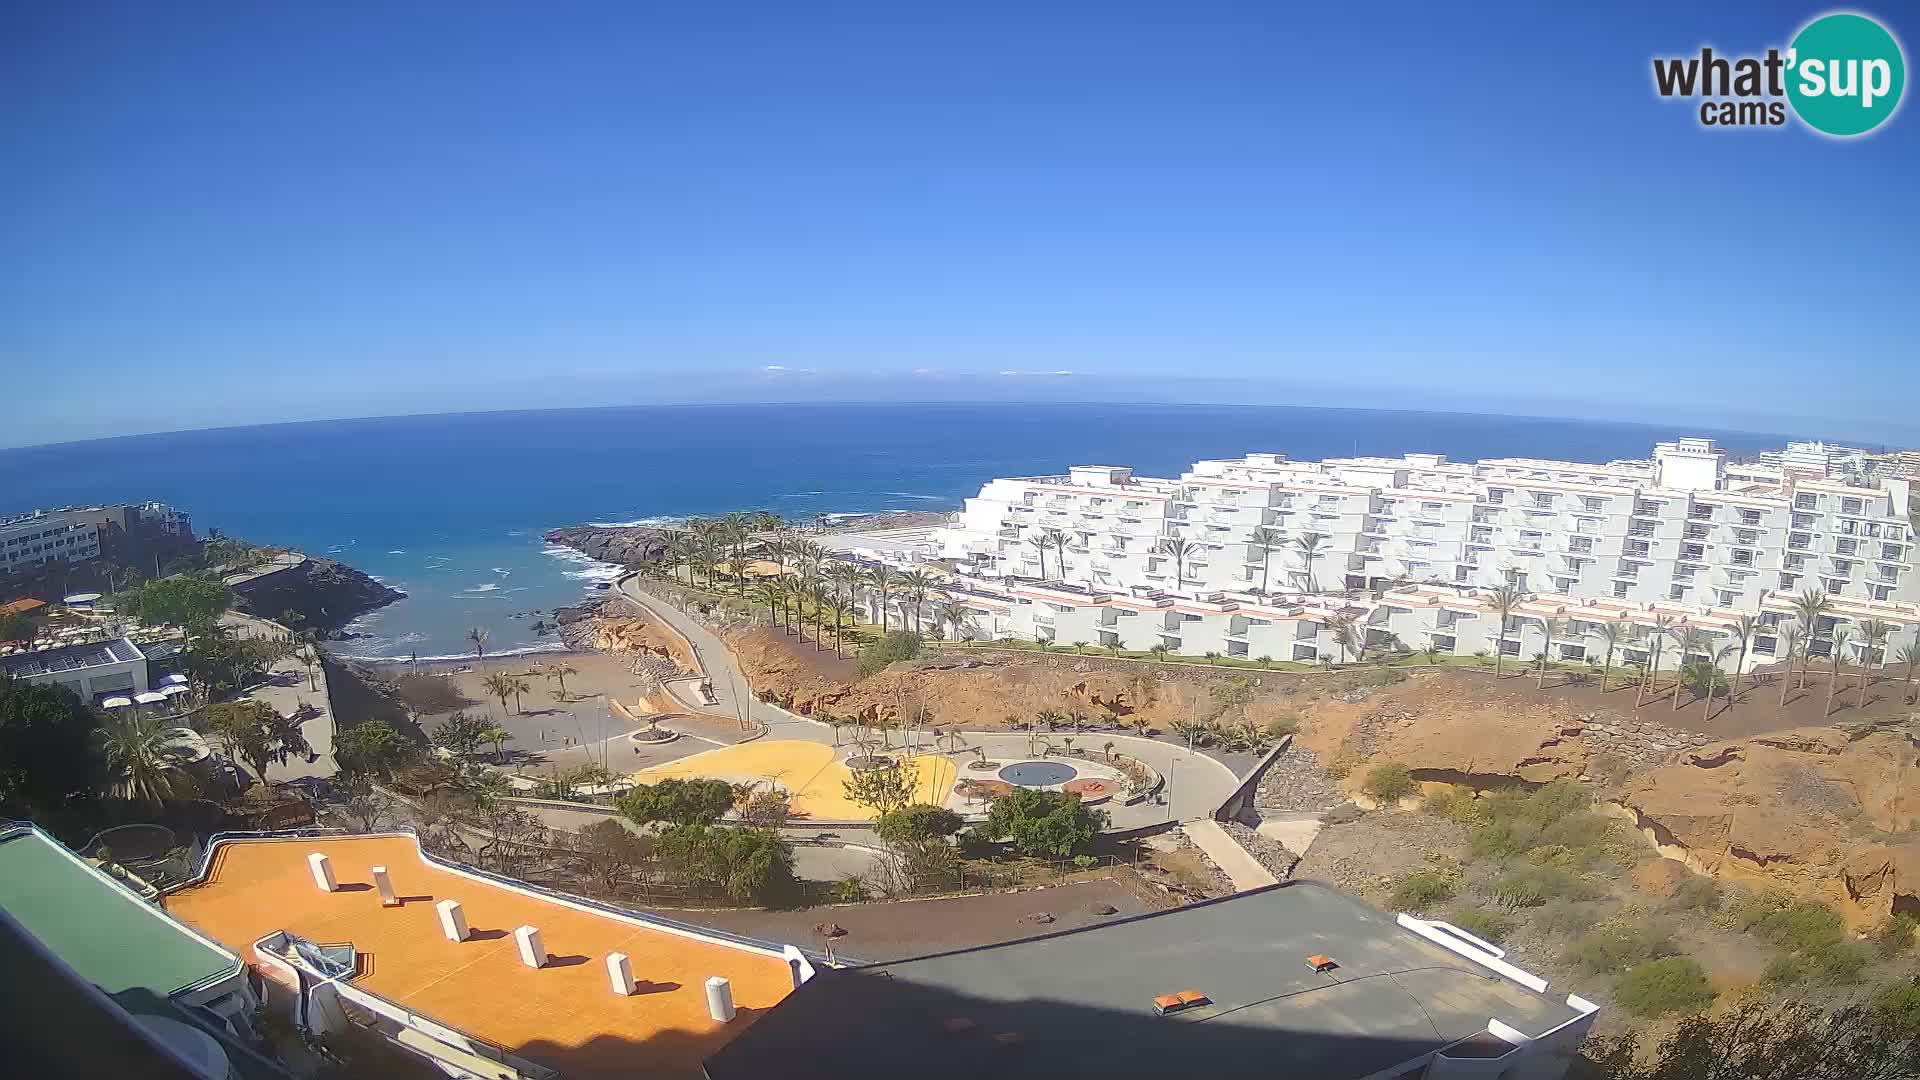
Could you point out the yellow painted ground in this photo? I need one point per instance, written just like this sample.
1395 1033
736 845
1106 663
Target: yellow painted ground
807 770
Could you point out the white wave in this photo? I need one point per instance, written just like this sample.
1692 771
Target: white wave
911 495
411 639
601 572
396 551
488 587
502 571
636 523
544 647
801 495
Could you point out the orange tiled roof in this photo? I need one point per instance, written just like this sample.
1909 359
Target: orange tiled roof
563 1015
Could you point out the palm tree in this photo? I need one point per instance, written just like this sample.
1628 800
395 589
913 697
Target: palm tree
499 737
142 766
1688 640
1908 655
682 549
881 578
844 576
1308 547
822 607
773 594
1873 642
478 635
1713 676
1266 540
1160 651
558 672
916 583
1841 637
1504 599
520 686
500 685
1743 630
1662 627
1793 640
1551 627
1345 636
1178 548
737 530
1808 607
1040 542
1612 633
956 615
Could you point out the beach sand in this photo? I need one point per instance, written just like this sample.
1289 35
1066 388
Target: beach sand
545 724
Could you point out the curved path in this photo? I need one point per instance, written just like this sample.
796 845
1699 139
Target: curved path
1196 784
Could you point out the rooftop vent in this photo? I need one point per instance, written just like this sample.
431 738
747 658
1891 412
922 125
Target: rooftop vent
1321 963
1173 1003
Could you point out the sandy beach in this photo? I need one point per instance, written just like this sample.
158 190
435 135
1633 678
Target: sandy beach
549 727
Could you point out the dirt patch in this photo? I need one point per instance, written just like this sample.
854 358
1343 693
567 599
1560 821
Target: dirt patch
1367 856
898 929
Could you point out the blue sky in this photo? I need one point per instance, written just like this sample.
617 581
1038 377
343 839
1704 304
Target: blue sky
215 214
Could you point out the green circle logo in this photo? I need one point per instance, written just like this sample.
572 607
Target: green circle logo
1845 74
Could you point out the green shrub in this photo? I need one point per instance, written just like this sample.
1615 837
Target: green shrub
1483 923
1840 963
897 645
1503 838
1618 945
1456 805
1898 1007
1532 886
1669 985
1422 889
1802 926
1895 936
1550 803
1695 894
1044 823
1567 918
1390 782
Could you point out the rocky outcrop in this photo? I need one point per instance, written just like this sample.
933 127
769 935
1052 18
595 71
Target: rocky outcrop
1812 811
325 594
631 547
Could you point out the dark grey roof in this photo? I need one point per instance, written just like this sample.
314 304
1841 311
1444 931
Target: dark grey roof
1080 1003
69 658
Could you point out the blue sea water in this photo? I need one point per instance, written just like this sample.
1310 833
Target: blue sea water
451 508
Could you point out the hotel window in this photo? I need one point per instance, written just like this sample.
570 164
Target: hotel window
1543 500
1788 581
1692 551
1698 531
1850 506
1620 590
1846 547
1594 503
1460 573
1727 598
1746 536
1842 566
1749 517
1834 585
1677 592
1883 592
1894 533
1806 502
1890 551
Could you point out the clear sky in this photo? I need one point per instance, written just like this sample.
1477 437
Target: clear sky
229 213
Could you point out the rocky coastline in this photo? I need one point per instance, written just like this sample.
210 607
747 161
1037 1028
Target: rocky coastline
629 546
324 594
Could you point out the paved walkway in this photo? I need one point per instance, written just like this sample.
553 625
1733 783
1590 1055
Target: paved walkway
1240 867
286 688
1195 783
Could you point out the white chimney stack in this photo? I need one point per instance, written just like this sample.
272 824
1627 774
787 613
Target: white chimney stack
620 974
720 999
385 884
322 868
453 919
533 952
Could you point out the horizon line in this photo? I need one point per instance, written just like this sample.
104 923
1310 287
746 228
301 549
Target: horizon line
998 403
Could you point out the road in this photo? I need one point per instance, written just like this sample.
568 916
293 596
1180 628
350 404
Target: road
1196 783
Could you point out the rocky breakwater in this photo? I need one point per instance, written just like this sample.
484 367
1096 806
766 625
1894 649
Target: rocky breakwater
629 546
1820 812
324 594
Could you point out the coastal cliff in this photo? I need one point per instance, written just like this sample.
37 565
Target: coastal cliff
631 547
325 594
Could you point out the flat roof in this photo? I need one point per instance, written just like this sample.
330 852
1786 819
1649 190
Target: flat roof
113 939
562 1016
70 658
1080 1003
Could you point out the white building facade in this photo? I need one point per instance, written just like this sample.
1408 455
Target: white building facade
1254 556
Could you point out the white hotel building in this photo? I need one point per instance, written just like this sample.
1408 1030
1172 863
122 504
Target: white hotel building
1410 546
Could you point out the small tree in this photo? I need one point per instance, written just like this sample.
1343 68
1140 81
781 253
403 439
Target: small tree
610 853
920 837
374 747
1043 823
461 734
1673 984
1796 1040
499 737
367 807
500 686
256 734
678 802
883 789
767 808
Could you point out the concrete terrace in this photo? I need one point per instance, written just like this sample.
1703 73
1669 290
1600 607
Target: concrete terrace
562 1016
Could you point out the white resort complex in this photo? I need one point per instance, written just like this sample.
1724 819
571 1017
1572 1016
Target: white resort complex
1261 556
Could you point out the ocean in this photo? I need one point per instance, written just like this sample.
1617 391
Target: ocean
451 509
